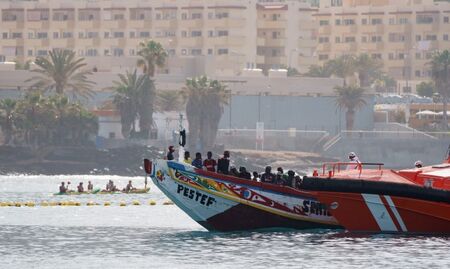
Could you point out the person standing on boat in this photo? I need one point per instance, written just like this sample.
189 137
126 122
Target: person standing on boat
129 186
256 176
80 187
354 161
90 187
63 188
267 176
187 157
197 162
290 180
223 164
244 174
170 156
209 162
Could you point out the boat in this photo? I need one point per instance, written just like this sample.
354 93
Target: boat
221 202
99 191
372 199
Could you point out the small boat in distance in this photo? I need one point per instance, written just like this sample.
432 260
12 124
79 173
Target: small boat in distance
99 191
221 202
372 199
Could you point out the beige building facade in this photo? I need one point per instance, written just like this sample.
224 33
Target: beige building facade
201 36
404 34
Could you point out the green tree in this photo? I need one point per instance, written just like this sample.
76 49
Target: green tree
426 88
168 101
127 98
7 107
440 72
319 71
344 66
204 108
62 72
384 83
153 55
368 69
350 98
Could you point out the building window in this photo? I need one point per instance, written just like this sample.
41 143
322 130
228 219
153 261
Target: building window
119 34
210 33
91 52
16 35
324 22
41 53
196 52
431 37
183 16
364 21
183 34
349 39
222 51
376 21
158 16
42 35
424 19
364 39
30 53
183 51
196 33
391 56
418 55
337 39
376 38
91 34
323 57
210 51
196 16
403 21
401 56
132 52
324 39
445 37
418 37
446 20
132 34
418 73
118 52
338 22
222 33
376 56
55 35
106 34
144 34
391 21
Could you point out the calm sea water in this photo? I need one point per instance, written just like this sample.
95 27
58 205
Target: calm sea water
162 236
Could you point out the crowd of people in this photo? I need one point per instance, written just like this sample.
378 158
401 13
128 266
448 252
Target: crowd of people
110 187
222 166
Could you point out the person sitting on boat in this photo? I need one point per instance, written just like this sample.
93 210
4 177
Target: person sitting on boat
170 156
256 176
113 187
209 162
80 187
234 172
198 162
223 163
90 186
290 180
244 174
418 164
267 176
280 178
297 182
354 160
129 187
187 157
63 188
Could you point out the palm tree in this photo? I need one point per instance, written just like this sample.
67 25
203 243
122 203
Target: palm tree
350 98
153 55
168 101
63 73
440 71
367 68
7 107
129 90
204 108
319 71
343 67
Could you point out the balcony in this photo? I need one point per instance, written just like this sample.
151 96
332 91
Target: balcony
307 43
326 47
196 23
227 22
139 24
192 42
427 28
38 24
12 25
70 24
277 24
114 24
369 28
92 24
346 47
171 24
227 40
324 30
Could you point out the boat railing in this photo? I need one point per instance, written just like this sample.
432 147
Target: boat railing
330 169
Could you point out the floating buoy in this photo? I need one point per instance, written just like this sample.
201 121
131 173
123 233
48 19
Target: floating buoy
122 203
44 203
30 204
168 203
10 203
17 204
152 202
107 203
135 202
3 204
91 203
53 203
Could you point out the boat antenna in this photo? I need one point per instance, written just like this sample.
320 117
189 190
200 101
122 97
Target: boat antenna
447 158
181 140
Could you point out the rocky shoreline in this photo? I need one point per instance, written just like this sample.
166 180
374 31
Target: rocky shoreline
128 161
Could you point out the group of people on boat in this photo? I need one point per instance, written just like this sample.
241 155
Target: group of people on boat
222 166
110 187
64 188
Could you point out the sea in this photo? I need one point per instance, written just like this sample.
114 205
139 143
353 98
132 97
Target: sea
157 234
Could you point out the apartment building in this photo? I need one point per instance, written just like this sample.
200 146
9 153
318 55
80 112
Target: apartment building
404 34
201 36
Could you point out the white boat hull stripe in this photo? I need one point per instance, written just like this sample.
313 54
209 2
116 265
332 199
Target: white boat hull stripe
379 212
397 215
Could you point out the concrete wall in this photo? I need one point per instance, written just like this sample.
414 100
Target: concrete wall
300 112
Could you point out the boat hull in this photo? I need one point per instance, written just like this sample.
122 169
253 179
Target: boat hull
388 214
222 203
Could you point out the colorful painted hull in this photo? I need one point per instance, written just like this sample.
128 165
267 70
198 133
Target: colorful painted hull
386 213
223 203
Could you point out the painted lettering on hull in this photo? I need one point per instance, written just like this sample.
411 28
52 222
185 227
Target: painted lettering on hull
195 195
315 208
